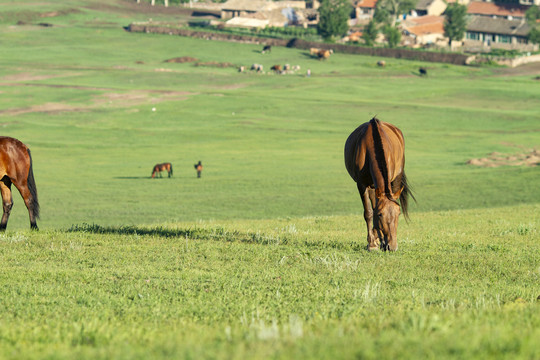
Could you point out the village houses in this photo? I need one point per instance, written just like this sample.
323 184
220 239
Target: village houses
490 25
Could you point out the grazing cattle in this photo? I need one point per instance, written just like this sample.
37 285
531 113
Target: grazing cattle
276 68
158 168
296 67
324 54
266 48
241 69
286 67
375 159
199 168
423 71
257 67
381 63
314 51
16 169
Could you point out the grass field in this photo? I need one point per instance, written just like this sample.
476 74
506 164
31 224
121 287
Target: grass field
263 257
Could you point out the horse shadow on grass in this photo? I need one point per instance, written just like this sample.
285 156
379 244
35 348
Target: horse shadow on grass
217 234
131 177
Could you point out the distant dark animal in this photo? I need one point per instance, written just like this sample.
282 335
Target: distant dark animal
374 158
199 168
423 71
16 169
158 168
381 63
267 48
276 68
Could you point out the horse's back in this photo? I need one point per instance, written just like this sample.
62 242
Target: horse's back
360 142
394 147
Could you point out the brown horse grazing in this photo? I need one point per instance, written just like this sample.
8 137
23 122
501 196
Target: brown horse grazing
16 169
158 168
374 157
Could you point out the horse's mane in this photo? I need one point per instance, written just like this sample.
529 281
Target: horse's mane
379 155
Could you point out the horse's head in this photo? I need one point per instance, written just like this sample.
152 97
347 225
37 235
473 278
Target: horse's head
385 221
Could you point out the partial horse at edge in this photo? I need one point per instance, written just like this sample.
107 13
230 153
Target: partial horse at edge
16 169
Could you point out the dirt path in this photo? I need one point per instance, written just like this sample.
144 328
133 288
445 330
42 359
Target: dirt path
532 69
527 158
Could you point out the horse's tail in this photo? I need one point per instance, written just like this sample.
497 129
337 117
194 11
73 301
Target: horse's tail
404 196
32 188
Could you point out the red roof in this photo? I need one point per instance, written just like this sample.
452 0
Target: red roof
367 4
499 9
423 25
426 19
420 30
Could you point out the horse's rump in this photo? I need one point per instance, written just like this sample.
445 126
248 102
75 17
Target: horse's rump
375 157
16 168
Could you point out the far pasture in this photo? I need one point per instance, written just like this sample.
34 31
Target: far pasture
272 143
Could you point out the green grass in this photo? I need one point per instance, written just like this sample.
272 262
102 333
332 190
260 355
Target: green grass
263 257
462 285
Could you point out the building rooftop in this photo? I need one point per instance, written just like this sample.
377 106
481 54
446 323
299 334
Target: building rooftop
496 9
424 25
367 4
498 26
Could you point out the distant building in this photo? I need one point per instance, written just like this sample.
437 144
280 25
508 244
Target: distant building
498 26
262 13
365 9
498 33
242 8
430 7
462 2
497 10
423 30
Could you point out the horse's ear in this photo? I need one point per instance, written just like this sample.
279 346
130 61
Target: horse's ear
398 193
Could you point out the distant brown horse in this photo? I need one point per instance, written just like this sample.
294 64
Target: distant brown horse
16 169
199 168
374 157
158 168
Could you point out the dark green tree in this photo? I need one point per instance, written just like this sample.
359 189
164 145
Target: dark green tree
532 15
333 16
370 33
392 35
534 36
455 22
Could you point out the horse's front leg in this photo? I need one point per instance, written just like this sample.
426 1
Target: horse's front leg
372 238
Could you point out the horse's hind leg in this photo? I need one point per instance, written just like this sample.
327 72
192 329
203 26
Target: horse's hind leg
27 196
7 201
